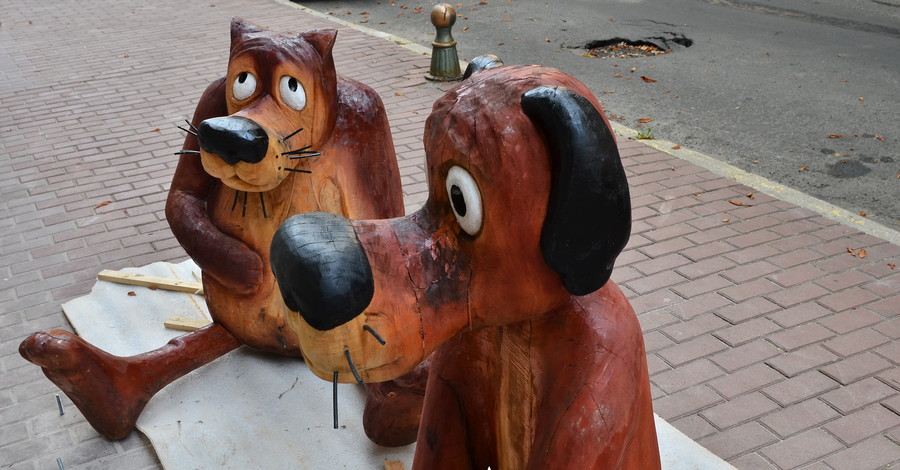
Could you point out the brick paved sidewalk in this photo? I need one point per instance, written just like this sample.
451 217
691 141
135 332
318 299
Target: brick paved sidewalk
768 341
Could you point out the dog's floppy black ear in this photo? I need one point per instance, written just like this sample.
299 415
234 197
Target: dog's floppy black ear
588 218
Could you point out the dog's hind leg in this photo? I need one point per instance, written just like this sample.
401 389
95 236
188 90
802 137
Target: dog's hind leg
111 391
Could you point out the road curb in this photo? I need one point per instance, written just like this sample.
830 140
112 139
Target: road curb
415 47
765 185
759 183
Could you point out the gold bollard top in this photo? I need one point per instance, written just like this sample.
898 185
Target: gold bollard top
443 15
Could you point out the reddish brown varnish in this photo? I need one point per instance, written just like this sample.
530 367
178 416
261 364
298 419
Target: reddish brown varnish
225 214
524 374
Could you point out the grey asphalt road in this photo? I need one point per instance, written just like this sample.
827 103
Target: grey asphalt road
805 93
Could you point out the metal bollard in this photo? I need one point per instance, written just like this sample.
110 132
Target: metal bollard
444 59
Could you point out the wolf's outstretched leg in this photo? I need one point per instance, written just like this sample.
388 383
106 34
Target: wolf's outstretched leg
111 391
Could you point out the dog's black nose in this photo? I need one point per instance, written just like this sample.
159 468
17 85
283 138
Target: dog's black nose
234 139
322 269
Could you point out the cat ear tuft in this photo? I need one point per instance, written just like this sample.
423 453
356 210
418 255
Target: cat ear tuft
239 28
321 39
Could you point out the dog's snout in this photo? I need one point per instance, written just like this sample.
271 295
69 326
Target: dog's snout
234 139
322 269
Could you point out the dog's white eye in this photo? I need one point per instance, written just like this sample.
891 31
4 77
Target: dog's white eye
244 86
465 199
292 93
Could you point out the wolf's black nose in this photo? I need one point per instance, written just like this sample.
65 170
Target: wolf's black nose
234 139
322 269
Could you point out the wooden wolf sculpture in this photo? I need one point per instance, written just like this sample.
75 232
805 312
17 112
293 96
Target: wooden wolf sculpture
280 134
539 360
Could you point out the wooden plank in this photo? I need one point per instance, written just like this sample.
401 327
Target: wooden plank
152 282
393 465
186 324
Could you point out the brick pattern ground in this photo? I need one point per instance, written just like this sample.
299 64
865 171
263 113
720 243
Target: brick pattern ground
768 342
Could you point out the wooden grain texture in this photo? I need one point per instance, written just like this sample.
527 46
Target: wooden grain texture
152 282
253 159
538 361
185 324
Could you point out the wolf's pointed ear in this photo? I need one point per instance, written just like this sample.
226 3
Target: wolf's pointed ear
588 218
239 28
321 39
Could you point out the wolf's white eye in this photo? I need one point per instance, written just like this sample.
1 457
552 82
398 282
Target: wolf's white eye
244 86
465 199
292 93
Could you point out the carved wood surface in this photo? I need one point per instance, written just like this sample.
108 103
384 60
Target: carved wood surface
280 134
538 359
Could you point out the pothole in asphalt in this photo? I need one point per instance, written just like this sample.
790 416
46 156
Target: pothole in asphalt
621 48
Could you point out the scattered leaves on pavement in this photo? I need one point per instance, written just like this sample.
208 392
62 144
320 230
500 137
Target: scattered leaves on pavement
676 147
860 253
804 168
647 79
739 203
131 293
104 203
863 213
645 120
835 136
892 265
620 118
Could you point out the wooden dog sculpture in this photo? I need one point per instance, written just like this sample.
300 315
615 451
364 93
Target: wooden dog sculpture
539 360
280 134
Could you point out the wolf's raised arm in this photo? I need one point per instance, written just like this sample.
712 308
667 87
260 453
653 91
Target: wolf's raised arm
186 211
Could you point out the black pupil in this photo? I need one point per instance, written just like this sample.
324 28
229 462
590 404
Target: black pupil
292 84
242 77
458 201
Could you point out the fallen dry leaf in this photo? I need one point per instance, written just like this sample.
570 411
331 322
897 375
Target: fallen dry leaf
739 203
501 43
158 130
645 120
618 75
131 293
397 93
751 195
892 265
507 20
879 138
613 116
863 213
633 69
608 91
465 28
726 220
860 253
804 168
676 147
834 136
104 203
862 100
648 79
